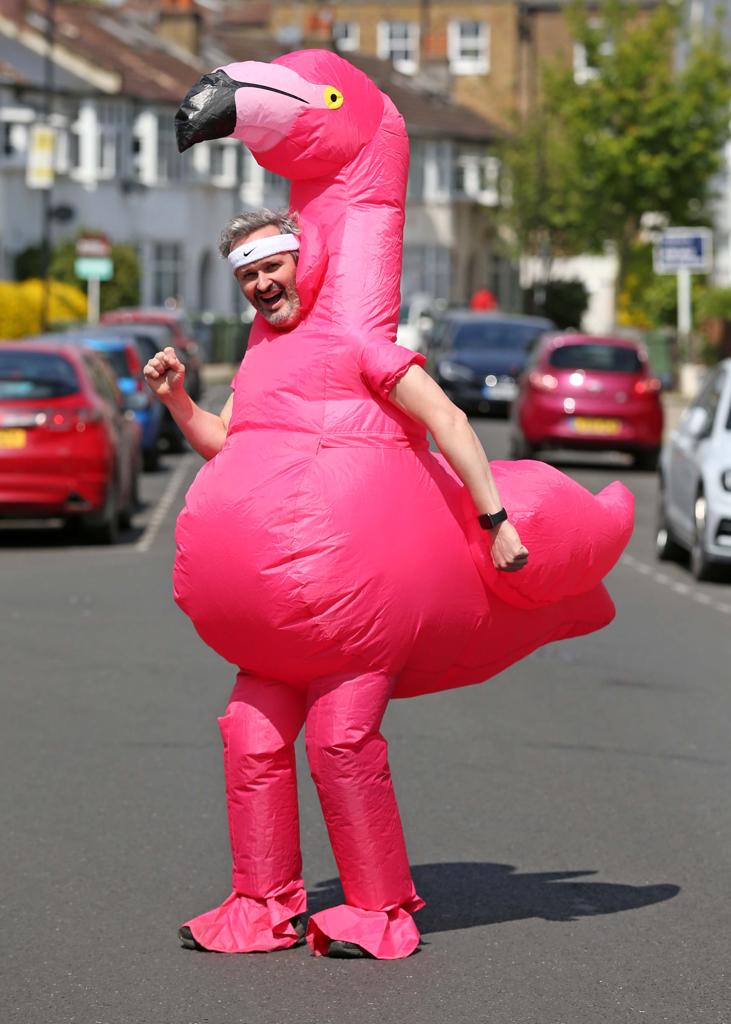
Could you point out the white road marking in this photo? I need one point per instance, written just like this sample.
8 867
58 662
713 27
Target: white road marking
678 587
164 504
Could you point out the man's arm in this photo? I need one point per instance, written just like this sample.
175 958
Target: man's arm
421 398
204 431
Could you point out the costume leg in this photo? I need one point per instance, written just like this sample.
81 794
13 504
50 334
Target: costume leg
349 762
259 728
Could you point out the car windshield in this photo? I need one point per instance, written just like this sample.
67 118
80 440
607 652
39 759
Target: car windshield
116 360
495 334
36 375
607 358
146 347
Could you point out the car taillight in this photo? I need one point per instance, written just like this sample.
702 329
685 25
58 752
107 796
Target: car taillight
542 381
67 419
647 386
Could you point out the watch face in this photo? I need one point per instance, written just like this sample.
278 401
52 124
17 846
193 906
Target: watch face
489 522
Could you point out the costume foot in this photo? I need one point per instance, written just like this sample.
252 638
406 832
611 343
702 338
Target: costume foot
189 941
340 950
300 927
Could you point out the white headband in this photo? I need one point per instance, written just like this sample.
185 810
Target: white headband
260 248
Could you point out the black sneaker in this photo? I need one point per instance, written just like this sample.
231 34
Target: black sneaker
341 950
189 941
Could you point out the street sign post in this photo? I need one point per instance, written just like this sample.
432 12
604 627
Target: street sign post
93 264
684 251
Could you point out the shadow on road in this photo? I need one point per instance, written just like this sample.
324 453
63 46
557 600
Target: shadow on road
466 895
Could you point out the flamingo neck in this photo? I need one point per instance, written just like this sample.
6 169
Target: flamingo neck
361 214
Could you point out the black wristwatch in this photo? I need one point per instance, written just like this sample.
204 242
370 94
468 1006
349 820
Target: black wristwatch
489 522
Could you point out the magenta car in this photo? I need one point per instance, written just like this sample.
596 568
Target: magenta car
589 393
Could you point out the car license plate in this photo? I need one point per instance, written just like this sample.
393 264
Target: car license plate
12 438
503 391
591 425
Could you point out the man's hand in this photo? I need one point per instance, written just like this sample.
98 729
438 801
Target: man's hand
508 554
165 374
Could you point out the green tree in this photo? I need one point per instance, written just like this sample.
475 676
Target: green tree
642 134
124 287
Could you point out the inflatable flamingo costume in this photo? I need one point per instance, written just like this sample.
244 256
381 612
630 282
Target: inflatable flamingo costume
325 551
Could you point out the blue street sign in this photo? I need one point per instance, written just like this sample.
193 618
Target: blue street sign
683 249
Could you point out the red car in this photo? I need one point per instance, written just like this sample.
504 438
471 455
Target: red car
590 393
68 448
181 338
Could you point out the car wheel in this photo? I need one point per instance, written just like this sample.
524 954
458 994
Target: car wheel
667 548
104 527
647 460
151 459
700 564
126 514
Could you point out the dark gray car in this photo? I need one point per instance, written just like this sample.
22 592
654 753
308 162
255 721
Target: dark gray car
478 357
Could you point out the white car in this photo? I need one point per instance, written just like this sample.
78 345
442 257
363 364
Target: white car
415 322
694 507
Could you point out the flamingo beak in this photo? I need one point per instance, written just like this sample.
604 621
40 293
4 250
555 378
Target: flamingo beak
208 111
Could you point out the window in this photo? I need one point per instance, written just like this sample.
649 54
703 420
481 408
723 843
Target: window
588 54
167 271
36 375
438 170
495 334
710 395
169 162
415 190
276 190
468 47
477 176
609 358
427 268
224 163
346 35
14 122
111 126
398 41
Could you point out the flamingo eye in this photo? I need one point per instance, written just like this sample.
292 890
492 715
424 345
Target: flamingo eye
333 98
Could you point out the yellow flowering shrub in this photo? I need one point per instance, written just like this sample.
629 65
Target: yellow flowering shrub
21 304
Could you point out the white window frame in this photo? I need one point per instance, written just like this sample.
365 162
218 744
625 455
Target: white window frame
86 127
349 41
457 43
145 132
584 71
386 45
162 267
16 122
229 169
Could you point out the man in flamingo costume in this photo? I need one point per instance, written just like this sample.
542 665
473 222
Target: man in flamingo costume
323 549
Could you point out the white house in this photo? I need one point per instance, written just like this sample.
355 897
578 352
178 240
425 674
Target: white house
116 86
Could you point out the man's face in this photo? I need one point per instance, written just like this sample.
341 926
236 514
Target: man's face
269 284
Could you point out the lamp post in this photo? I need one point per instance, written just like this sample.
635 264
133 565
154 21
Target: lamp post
47 193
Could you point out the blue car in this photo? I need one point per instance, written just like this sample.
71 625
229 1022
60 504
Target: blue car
122 354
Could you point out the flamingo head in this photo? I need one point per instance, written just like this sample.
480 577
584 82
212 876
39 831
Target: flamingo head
305 115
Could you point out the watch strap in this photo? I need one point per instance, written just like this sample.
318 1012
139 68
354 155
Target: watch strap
489 522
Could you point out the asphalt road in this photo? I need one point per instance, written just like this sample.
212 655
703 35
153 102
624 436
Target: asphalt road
569 823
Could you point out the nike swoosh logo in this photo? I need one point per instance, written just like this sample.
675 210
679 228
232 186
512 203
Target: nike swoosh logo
249 252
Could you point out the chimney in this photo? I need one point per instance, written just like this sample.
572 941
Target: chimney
180 22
